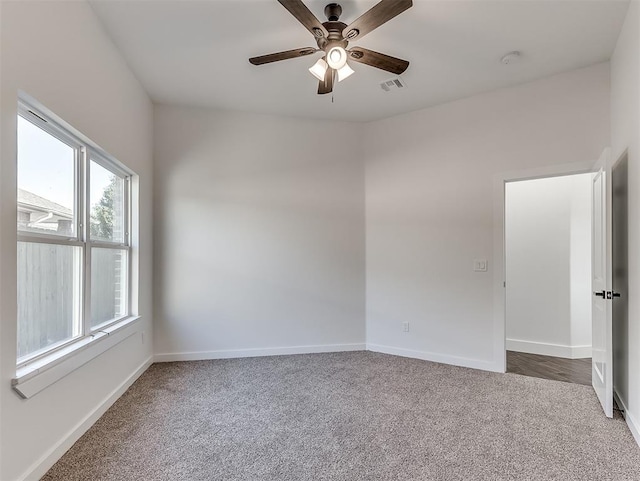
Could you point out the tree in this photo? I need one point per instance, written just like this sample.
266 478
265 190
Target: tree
102 214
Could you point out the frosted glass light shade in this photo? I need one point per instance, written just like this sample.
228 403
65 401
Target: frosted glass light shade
344 72
337 58
319 69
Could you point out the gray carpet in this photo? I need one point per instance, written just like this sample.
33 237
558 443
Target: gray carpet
349 416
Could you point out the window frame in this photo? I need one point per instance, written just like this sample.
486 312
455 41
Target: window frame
85 153
125 245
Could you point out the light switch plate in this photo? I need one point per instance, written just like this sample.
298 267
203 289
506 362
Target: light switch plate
480 265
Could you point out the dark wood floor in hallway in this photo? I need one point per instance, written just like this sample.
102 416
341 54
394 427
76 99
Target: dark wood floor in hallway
577 371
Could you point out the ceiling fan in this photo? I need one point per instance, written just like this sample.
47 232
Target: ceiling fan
333 38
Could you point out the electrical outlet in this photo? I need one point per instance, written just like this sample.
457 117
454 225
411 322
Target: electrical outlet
405 327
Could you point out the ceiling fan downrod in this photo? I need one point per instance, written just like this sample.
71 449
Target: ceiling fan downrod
333 12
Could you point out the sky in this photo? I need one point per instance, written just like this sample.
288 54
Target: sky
46 167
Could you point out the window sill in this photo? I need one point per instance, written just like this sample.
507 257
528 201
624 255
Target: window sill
38 375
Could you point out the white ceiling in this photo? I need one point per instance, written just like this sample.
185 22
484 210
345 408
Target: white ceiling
196 52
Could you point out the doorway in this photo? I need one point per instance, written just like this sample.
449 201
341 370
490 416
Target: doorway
548 277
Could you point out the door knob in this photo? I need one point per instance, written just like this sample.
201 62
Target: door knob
616 294
600 294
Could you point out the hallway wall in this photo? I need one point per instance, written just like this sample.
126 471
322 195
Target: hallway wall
548 266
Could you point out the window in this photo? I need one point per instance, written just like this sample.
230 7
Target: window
73 238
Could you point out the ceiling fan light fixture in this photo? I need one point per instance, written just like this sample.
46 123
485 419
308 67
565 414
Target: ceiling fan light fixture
319 69
345 72
337 58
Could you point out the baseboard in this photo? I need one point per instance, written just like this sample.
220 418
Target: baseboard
634 427
546 349
434 357
257 352
40 467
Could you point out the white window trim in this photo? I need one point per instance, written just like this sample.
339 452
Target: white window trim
35 376
37 372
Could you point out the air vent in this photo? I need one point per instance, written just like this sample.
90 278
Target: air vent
393 84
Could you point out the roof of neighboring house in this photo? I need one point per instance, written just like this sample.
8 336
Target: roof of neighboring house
35 202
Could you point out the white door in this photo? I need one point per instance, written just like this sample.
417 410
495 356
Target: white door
602 356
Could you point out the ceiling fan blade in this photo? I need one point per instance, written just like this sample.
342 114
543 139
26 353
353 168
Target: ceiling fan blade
326 86
378 60
305 17
276 57
373 18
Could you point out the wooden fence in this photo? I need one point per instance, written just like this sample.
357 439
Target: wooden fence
49 304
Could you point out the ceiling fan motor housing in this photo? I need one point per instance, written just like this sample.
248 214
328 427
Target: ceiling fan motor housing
333 12
334 38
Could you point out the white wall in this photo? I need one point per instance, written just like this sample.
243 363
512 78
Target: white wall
625 135
580 240
259 228
430 206
548 259
58 53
